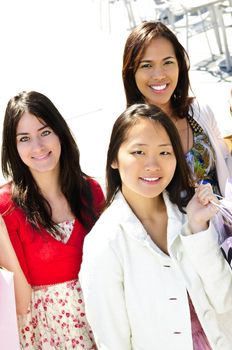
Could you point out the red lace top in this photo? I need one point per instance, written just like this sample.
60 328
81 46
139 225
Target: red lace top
43 259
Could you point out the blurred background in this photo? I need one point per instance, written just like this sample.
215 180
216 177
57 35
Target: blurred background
71 50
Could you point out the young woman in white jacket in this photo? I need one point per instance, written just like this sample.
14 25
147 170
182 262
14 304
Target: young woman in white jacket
153 275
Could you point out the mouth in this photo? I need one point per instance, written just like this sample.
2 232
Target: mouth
150 179
159 88
42 157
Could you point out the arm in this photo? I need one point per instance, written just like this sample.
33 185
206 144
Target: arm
199 239
9 260
101 279
204 115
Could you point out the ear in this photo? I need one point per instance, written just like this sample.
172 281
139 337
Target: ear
114 164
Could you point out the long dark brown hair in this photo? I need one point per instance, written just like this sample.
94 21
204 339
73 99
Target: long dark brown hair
181 187
25 191
135 46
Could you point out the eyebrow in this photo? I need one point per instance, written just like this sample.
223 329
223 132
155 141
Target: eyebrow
27 133
165 58
161 145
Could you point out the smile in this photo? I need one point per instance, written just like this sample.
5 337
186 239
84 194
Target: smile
44 156
150 179
159 88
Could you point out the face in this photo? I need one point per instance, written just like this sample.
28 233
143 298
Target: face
37 144
157 73
146 161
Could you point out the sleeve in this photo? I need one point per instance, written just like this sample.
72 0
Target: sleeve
207 259
215 128
101 279
204 115
13 228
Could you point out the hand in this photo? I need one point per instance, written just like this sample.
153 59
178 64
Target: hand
200 209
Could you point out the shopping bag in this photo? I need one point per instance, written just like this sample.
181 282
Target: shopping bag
9 339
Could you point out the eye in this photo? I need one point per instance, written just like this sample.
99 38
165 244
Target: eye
145 65
23 139
46 132
168 62
165 153
138 152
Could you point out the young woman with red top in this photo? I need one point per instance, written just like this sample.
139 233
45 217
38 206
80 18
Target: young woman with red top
48 206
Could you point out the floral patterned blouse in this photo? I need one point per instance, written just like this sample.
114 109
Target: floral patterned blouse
201 157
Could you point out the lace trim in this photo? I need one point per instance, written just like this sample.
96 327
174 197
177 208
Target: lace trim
65 229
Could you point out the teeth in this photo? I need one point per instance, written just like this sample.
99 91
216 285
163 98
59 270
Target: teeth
40 157
158 87
150 178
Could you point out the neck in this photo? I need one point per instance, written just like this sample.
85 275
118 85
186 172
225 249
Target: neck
167 108
144 208
49 184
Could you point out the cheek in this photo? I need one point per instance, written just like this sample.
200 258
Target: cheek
176 75
138 78
54 143
58 147
172 168
128 167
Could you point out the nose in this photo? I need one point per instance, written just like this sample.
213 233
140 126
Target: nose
158 72
37 144
152 164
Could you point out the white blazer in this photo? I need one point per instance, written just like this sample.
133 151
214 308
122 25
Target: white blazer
136 296
205 118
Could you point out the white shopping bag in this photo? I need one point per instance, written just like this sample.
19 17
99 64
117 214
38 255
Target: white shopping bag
9 339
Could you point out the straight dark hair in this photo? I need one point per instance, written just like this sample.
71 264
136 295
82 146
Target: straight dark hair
181 187
134 49
25 191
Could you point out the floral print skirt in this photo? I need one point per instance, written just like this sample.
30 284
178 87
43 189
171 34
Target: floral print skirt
56 320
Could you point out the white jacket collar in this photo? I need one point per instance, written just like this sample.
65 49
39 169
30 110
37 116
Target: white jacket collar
133 227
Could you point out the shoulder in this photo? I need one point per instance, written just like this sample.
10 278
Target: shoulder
106 227
204 116
107 231
116 224
201 110
95 187
97 193
5 198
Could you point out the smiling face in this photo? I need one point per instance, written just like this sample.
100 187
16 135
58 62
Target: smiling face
146 161
157 73
37 144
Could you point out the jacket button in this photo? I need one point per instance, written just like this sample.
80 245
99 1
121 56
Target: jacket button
207 314
219 342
